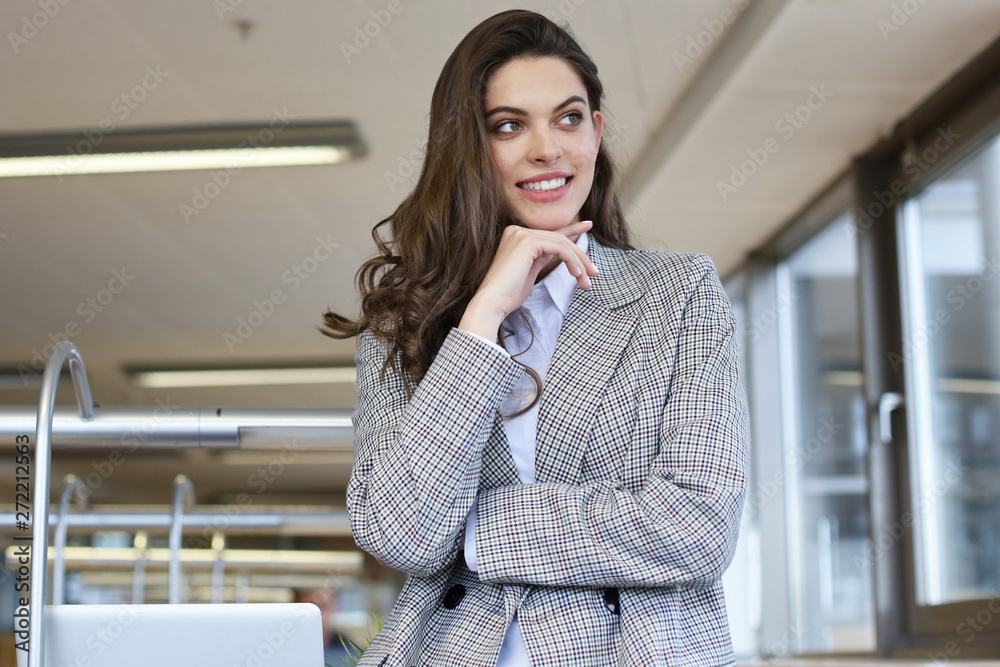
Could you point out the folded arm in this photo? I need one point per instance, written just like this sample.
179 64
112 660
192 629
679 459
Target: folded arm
416 464
681 528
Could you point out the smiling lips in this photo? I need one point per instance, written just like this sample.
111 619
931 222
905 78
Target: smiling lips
545 190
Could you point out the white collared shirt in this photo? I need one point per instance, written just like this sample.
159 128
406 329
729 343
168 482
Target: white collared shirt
546 307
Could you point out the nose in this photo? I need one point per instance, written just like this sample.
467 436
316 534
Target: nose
544 147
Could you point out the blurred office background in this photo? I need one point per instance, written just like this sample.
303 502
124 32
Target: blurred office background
839 160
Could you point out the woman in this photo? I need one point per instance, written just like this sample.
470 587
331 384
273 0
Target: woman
551 434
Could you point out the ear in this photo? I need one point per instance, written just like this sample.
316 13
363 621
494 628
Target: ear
598 129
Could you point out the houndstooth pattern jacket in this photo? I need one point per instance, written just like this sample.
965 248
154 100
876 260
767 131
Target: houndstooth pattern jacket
614 556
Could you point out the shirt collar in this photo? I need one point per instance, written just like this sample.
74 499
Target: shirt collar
560 282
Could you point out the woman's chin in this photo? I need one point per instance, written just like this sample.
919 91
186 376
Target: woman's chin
553 221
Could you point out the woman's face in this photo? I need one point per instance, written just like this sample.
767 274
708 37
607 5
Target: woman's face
543 138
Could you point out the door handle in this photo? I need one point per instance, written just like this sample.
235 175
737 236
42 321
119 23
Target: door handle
888 402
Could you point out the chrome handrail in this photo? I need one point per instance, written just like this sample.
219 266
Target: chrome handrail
169 426
183 494
173 427
64 350
140 543
219 567
74 486
331 523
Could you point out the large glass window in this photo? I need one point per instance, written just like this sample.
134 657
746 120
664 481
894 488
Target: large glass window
830 586
951 357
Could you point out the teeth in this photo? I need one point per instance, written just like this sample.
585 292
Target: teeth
542 186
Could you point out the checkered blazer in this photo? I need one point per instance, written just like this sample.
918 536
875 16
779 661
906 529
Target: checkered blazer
614 556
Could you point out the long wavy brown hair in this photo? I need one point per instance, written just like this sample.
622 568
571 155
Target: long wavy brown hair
445 234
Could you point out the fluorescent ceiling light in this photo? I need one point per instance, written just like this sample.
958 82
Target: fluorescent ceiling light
945 384
232 147
117 163
968 386
844 378
242 377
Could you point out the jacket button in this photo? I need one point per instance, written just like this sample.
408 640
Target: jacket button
453 596
611 601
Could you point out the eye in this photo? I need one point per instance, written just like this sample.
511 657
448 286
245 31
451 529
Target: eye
574 118
507 123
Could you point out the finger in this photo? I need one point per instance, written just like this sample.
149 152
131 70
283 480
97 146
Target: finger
576 260
577 227
591 268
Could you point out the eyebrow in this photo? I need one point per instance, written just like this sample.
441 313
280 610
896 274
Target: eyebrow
522 112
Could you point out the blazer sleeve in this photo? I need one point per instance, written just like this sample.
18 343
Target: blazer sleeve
681 528
416 464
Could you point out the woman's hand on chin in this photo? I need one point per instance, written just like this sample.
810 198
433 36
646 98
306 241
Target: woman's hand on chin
522 253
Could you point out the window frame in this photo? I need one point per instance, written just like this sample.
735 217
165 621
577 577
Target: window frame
932 628
969 103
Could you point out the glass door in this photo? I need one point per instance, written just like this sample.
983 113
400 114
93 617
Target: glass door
825 427
949 266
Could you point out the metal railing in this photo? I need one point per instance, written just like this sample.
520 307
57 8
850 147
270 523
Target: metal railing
164 426
43 461
177 427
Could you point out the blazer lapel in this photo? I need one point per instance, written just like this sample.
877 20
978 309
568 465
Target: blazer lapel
590 343
588 347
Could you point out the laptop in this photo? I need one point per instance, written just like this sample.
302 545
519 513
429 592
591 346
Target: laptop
185 635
